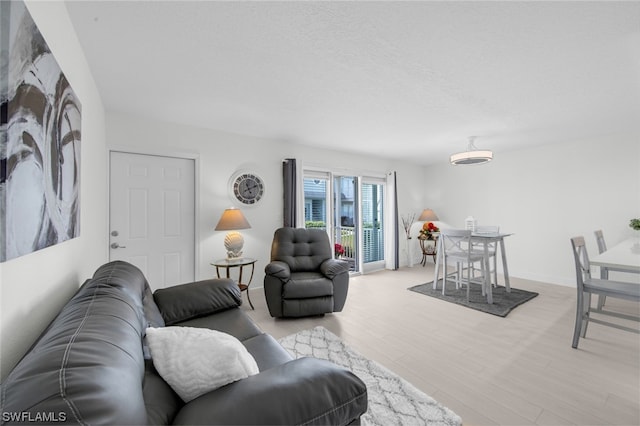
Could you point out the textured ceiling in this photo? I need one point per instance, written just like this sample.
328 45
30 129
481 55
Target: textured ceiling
406 80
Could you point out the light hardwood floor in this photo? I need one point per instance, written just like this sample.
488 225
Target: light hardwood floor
518 370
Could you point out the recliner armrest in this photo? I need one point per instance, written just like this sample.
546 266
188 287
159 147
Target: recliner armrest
278 269
332 267
302 391
186 301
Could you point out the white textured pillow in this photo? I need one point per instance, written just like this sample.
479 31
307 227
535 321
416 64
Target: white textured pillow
195 361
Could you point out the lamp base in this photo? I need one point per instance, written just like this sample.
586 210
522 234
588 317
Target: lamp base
233 242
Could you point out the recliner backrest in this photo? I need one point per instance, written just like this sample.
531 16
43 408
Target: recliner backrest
302 249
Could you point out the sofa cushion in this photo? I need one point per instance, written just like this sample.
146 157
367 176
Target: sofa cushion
195 361
161 401
305 391
267 352
198 299
232 321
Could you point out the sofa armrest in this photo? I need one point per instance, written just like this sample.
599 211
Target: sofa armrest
302 391
278 269
186 301
332 267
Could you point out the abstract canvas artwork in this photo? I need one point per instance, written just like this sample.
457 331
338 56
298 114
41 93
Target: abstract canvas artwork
40 124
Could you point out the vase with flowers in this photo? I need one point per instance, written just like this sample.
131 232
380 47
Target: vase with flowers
635 225
338 250
429 231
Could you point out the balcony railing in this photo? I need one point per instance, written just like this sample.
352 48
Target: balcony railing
373 238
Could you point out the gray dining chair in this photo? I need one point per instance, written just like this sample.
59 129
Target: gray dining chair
586 286
492 250
604 270
457 248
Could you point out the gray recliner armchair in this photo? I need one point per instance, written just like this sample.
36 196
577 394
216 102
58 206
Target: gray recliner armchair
303 278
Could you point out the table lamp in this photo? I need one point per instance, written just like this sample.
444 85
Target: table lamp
428 215
231 220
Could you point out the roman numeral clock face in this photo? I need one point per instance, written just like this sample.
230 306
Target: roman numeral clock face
248 188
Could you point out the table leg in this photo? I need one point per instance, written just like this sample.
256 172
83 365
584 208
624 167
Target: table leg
437 270
604 275
243 286
435 250
253 266
507 284
487 274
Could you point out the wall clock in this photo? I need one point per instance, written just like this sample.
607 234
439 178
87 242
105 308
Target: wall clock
248 188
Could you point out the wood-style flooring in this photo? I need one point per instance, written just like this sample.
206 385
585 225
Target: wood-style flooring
518 370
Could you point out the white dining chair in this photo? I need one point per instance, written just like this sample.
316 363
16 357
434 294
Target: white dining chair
457 249
604 270
586 286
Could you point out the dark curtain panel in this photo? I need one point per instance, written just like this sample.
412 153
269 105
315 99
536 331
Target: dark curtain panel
290 191
396 238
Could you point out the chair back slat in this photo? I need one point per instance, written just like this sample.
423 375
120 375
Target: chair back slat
602 246
455 240
487 229
581 258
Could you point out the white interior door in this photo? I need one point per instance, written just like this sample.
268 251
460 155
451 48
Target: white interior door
152 216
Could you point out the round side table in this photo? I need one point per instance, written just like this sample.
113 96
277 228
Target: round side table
239 263
428 249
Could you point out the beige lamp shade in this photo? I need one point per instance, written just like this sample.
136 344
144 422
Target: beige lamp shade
232 220
428 215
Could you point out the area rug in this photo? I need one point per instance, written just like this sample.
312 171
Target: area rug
503 302
392 400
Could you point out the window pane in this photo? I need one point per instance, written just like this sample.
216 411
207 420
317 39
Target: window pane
372 220
315 203
345 218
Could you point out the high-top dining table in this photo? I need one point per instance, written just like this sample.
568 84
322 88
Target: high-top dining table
623 256
485 239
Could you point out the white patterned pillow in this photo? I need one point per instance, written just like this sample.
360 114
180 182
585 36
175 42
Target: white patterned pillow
195 361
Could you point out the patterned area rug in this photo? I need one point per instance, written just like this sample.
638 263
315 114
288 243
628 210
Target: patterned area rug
503 302
392 400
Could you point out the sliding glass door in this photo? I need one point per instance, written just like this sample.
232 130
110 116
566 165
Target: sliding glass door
350 209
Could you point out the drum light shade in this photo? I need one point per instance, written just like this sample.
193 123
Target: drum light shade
472 155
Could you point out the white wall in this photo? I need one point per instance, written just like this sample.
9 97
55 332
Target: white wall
221 154
34 287
545 196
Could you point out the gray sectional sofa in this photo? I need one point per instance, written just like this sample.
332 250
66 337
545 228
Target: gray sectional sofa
92 365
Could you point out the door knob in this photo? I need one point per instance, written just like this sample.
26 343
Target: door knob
116 245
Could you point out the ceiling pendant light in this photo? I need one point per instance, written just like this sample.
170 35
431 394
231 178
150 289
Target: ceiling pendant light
472 155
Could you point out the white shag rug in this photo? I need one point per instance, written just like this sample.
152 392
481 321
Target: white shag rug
392 400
